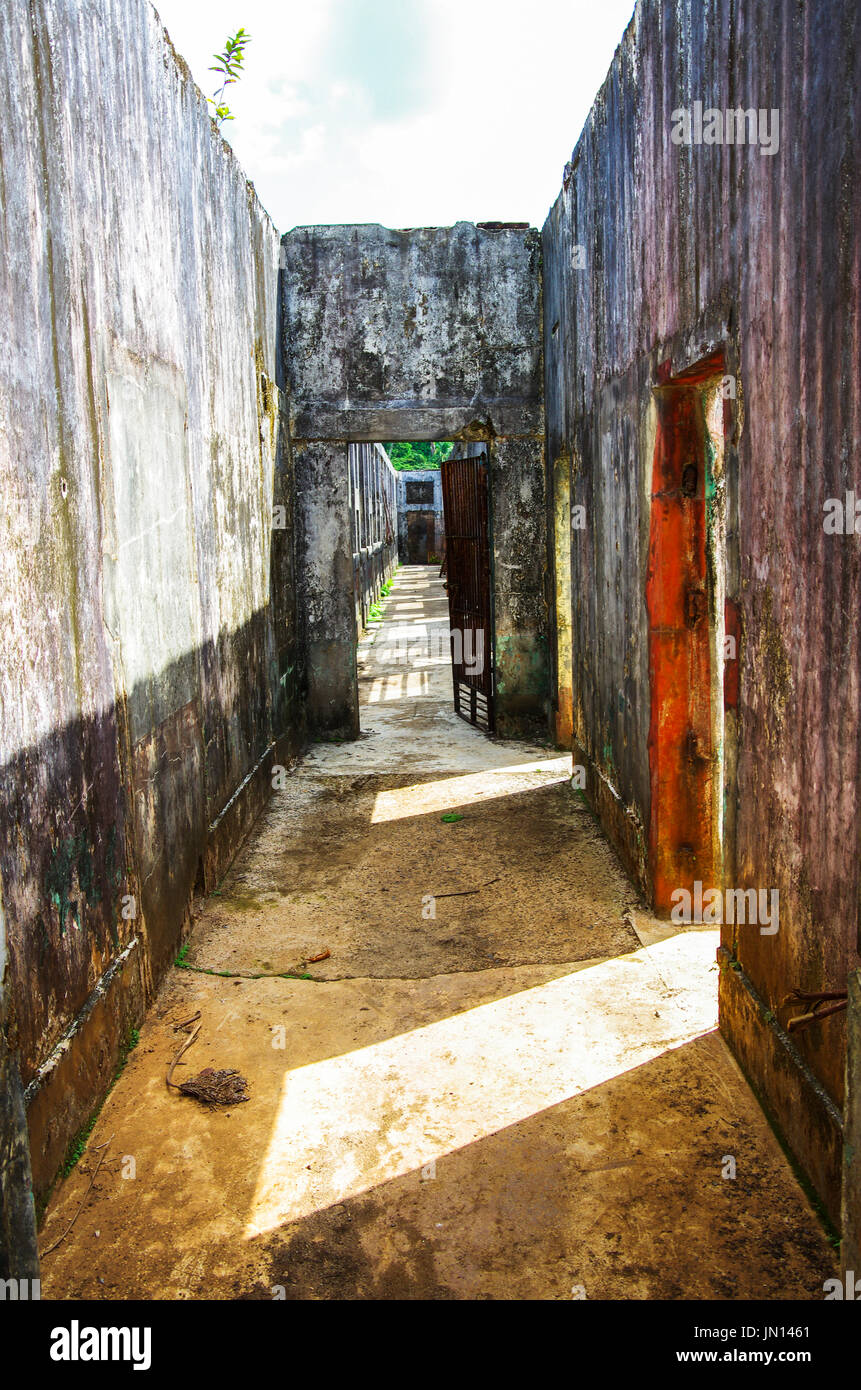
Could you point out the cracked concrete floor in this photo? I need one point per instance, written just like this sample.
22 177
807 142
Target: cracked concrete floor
504 1081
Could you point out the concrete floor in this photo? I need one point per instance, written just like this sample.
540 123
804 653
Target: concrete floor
521 1096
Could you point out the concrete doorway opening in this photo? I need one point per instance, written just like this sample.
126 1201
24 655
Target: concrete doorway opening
421 524
427 335
427 628
469 581
692 635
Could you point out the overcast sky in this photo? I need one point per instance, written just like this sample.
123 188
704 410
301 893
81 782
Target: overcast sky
405 112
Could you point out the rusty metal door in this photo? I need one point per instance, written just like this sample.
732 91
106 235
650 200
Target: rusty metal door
467 530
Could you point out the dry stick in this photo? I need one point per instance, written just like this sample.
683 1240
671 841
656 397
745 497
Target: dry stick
467 892
104 1147
193 1019
186 1045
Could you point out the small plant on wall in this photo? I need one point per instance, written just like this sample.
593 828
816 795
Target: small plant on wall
228 65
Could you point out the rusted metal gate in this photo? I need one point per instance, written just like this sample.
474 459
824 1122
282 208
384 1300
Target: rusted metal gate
465 506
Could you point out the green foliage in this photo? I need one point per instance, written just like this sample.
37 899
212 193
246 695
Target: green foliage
451 817
405 456
78 1144
181 958
229 66
132 1039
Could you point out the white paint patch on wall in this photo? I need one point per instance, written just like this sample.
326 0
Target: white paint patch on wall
151 595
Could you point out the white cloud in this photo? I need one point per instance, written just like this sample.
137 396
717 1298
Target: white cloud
483 102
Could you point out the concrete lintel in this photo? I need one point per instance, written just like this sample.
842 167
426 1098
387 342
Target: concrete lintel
324 421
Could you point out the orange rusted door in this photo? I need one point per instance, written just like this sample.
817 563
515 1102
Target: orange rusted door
684 787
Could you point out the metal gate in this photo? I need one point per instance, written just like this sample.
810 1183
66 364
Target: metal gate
465 505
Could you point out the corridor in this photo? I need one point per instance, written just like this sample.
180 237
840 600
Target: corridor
476 1068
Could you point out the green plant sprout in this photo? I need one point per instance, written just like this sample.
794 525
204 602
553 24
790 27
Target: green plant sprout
229 66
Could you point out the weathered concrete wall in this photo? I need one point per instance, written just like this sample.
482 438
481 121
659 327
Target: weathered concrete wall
19 1255
519 543
432 334
850 1249
374 510
660 256
325 579
417 335
148 633
520 553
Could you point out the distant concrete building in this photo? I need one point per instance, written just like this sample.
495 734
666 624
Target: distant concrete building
421 524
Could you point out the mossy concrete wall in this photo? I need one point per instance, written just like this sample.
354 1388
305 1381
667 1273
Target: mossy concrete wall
850 1250
148 634
657 256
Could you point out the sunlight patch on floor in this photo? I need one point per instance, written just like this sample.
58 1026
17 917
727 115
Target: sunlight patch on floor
398 686
350 1123
441 795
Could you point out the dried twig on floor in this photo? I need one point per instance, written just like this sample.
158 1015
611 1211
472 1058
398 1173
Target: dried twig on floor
324 955
466 892
185 1024
186 1045
210 1087
104 1147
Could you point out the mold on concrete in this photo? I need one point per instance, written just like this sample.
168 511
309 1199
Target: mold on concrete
148 636
657 255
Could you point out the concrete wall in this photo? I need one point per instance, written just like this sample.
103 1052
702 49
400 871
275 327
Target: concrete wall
850 1249
148 633
374 509
427 334
520 557
671 269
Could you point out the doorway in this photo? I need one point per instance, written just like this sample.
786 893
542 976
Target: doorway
686 601
467 523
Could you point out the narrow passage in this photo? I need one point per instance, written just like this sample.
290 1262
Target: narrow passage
504 1079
